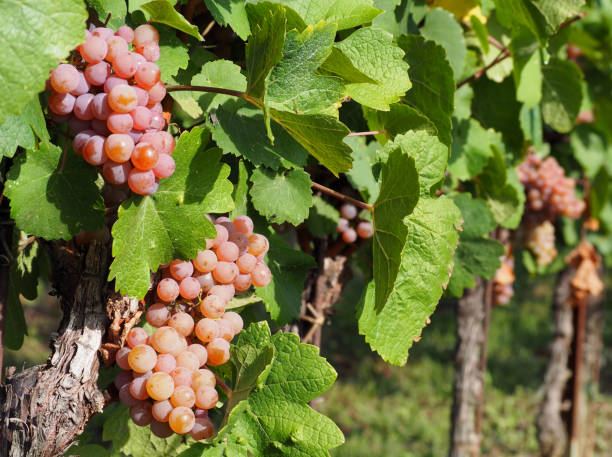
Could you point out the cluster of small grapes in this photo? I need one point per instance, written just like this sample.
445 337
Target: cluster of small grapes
166 382
541 241
111 98
547 188
503 282
349 234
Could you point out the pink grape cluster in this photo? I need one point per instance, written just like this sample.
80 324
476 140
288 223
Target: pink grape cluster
549 192
349 234
111 98
541 241
503 282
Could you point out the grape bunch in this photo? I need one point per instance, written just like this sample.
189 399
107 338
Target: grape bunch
166 382
541 241
549 192
111 95
349 234
503 282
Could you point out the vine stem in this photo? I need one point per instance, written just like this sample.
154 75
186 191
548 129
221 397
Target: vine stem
342 197
502 56
374 132
214 90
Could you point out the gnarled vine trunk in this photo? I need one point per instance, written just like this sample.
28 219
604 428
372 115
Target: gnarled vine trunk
42 409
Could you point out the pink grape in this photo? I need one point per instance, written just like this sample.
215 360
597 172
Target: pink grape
157 92
119 123
116 46
225 330
343 224
126 397
168 289
149 50
364 230
141 414
349 235
189 288
223 220
161 410
142 117
119 147
154 139
165 340
125 65
182 376
147 75
156 107
225 272
235 320
182 322
122 378
94 49
103 32
167 142
165 363
93 151
212 306
143 96
65 78
246 263
157 121
116 173
203 377
348 211
137 336
240 240
218 353
258 244
114 81
139 59
83 107
80 139
206 261
145 32
202 429
222 235
99 106
157 315
206 280
224 291
160 386
96 74
199 351
126 32
142 358
180 269
61 103
242 282
165 166
227 251
188 360
122 99
181 420
122 358
144 156
82 87
244 225
200 413
138 388
261 275
206 396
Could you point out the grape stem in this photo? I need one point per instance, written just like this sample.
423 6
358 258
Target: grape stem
502 56
338 195
214 90
375 132
224 386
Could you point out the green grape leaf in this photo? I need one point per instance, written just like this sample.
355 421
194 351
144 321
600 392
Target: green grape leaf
512 180
527 69
35 35
238 128
561 94
241 189
281 196
21 130
396 16
232 13
169 224
481 32
289 267
361 176
293 85
399 119
345 13
589 148
471 149
442 27
433 84
163 11
341 65
282 376
188 101
116 8
374 53
323 218
173 54
463 102
517 15
426 260
556 12
54 196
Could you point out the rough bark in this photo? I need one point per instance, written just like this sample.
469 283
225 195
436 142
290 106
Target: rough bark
44 408
551 420
469 378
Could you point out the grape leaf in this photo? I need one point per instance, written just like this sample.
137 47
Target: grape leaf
561 94
340 65
275 418
173 54
426 260
52 196
35 35
471 149
283 296
323 218
361 176
520 14
170 224
442 27
163 11
238 128
374 53
345 13
556 12
241 189
399 119
589 148
20 130
232 13
281 197
527 69
433 84
116 8
396 16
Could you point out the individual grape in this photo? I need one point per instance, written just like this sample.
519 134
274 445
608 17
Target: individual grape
94 49
224 291
138 388
103 32
165 340
165 166
349 235
225 272
80 139
348 211
82 87
157 315
182 376
61 103
149 50
190 288
227 251
116 173
126 32
147 75
121 357
141 413
167 142
156 107
100 127
222 235
218 352
235 320
119 147
207 330
136 336
206 261
244 225
161 429
114 81
182 322
225 220
99 107
116 46
83 107
225 330
206 396
142 358
202 429
168 289
143 98
126 397
65 78
364 230
119 123
157 121
203 377
96 74
157 92
246 263
144 156
125 65
122 99
93 151
243 282
212 306
160 386
180 269
122 378
258 244
145 32
141 116
165 363
200 413
142 182
161 410
200 353
188 360
181 420
183 396
261 275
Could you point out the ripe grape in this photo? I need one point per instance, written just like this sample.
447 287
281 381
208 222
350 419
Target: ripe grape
212 306
203 377
244 225
141 115
222 235
541 241
157 121
157 315
258 244
206 280
122 378
364 230
119 147
93 151
126 32
116 173
94 49
206 330
218 352
180 269
165 340
161 410
188 360
114 81
103 32
96 74
142 182
61 103
160 386
224 291
147 75
240 240
145 32
122 98
83 107
182 376
206 396
243 282
235 320
143 99
165 166
119 122
138 388
227 251
202 429
168 289
142 358
181 420
167 142
261 275
82 87
157 92
200 413
225 272
206 261
116 46
165 363
80 139
226 330
246 263
200 352
183 396
149 50
182 322
161 429
349 235
137 336
126 397
348 211
99 107
121 357
65 78
141 413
